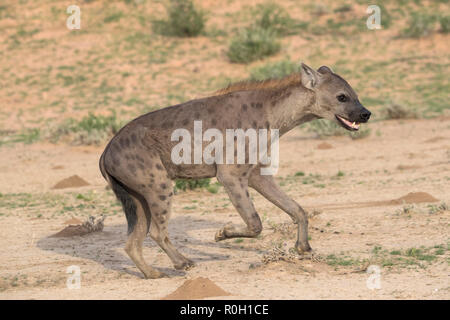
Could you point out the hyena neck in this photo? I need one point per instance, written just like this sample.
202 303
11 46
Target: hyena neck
290 108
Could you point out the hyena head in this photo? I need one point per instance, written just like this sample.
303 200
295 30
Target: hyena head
335 98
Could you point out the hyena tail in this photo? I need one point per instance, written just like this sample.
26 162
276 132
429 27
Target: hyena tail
123 194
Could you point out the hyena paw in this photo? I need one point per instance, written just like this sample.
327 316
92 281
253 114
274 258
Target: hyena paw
221 235
154 274
185 265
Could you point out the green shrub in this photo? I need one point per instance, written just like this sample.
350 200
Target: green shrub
252 44
419 25
444 22
213 188
191 184
113 17
271 16
184 20
397 111
91 129
278 69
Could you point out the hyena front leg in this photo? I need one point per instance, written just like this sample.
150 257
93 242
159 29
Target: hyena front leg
237 189
267 187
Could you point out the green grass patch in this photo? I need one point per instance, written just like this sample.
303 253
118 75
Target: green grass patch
325 128
444 23
271 16
273 70
91 129
345 261
419 25
113 17
27 136
191 184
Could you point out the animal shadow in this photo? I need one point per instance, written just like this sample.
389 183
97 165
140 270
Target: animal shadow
106 247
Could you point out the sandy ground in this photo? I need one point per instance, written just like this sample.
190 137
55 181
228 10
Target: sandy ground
354 218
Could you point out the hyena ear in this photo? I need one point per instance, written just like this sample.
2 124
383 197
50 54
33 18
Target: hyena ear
310 77
324 69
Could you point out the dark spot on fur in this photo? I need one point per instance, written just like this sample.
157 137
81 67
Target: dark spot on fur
162 198
123 142
213 122
259 105
185 122
247 194
239 124
197 115
255 124
159 167
164 212
244 107
163 186
132 168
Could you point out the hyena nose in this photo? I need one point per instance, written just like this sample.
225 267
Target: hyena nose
365 115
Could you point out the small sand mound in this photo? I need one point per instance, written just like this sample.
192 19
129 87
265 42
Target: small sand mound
407 167
198 288
415 197
435 139
324 146
71 182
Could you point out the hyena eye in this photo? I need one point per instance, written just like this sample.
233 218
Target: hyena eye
342 98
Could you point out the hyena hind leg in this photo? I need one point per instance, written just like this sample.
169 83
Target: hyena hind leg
135 241
159 199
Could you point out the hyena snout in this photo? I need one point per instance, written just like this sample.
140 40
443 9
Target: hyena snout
364 115
359 114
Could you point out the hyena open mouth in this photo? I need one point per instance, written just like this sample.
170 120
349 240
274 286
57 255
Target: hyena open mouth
352 126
